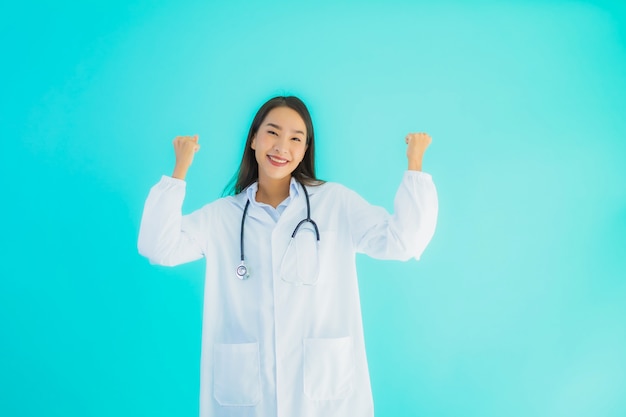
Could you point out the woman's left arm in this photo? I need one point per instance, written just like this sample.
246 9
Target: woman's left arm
406 233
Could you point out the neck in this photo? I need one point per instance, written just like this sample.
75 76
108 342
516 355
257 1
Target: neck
273 192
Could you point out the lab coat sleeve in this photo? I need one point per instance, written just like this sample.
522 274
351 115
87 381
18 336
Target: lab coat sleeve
407 232
166 237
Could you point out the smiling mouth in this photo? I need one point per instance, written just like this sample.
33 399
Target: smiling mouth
276 161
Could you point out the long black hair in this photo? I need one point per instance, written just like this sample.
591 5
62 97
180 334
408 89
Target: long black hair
248 171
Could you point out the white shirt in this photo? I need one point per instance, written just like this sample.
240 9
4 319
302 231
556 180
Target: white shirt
273 212
271 348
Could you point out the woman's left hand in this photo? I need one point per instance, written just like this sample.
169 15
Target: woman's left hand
417 144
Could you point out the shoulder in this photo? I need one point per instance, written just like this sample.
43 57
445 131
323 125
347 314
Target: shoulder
332 191
222 207
327 188
233 203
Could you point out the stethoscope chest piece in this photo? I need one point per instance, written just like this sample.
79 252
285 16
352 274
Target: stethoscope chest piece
242 271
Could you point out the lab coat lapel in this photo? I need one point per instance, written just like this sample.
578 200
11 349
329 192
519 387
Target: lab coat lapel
294 212
254 212
289 219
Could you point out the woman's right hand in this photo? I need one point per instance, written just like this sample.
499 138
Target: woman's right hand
185 148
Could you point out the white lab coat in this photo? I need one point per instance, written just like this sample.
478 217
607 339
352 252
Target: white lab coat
271 348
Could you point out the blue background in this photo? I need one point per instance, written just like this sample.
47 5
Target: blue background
518 306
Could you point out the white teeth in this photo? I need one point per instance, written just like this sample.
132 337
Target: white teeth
278 160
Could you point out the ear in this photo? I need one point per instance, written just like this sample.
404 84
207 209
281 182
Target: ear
253 143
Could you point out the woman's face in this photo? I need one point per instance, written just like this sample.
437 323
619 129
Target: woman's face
279 144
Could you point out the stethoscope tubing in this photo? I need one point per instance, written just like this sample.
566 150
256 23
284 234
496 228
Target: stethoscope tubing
242 270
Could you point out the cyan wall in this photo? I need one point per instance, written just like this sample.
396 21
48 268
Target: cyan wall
518 306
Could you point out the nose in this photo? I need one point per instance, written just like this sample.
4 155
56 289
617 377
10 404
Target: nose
280 145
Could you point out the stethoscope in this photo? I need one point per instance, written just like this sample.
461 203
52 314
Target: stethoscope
242 270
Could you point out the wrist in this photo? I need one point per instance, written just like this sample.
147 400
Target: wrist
179 172
415 164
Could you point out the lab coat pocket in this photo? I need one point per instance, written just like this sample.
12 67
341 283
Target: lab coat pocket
236 374
328 368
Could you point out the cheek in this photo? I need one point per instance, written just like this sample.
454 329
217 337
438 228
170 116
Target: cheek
301 153
258 156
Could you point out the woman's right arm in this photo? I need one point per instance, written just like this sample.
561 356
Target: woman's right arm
166 237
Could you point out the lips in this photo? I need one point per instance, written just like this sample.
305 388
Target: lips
277 161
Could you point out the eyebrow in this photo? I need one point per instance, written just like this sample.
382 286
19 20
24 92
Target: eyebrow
275 126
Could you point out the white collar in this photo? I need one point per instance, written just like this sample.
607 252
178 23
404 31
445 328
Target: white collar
294 191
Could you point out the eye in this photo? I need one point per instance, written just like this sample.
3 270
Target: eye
296 139
271 132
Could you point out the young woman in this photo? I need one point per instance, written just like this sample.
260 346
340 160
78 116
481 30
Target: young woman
282 329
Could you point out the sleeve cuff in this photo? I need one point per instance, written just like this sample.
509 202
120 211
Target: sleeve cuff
417 175
168 182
